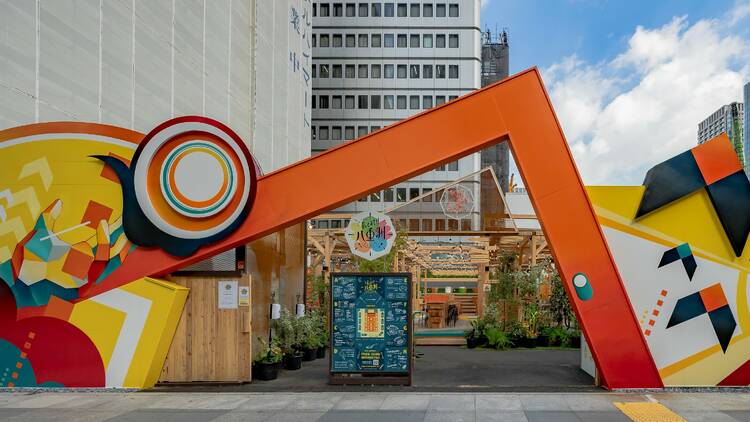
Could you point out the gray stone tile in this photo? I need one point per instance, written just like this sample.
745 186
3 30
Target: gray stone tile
296 416
57 415
266 402
443 416
452 402
127 402
373 416
9 413
589 402
223 401
686 402
406 402
316 402
38 400
602 416
360 402
554 402
711 416
740 415
498 402
168 415
500 416
246 416
10 399
724 401
551 415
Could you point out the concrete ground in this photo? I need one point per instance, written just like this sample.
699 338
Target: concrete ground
373 406
443 369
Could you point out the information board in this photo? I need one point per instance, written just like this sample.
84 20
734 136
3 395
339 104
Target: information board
370 324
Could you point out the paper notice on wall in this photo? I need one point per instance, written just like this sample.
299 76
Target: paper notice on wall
275 311
300 310
244 295
228 294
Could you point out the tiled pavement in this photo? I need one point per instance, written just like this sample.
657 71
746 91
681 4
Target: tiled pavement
362 407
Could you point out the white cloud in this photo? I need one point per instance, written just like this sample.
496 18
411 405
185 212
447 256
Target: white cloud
738 13
642 107
484 3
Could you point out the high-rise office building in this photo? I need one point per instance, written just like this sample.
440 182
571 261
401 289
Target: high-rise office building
378 62
727 119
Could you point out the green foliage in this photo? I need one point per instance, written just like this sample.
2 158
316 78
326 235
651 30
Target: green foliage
267 353
384 264
560 308
288 332
498 339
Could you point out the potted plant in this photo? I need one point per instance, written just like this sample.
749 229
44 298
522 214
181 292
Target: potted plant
319 320
287 329
542 339
476 336
308 338
516 333
497 338
575 339
267 361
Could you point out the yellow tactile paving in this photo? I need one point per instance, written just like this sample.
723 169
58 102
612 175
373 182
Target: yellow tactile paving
648 412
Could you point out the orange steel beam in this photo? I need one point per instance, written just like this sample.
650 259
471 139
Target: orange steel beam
516 110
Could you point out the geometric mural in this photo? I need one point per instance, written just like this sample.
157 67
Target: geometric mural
683 254
712 301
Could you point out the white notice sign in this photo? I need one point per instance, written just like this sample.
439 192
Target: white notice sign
228 295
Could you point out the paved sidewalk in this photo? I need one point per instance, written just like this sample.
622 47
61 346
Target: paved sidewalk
363 407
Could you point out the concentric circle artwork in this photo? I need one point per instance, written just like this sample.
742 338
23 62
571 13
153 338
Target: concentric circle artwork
370 235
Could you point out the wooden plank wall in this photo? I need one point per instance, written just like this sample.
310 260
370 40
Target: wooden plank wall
210 344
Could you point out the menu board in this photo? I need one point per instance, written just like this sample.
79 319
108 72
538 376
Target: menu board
370 323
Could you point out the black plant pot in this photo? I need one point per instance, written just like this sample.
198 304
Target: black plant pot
309 354
542 341
555 342
575 342
482 341
292 362
264 371
320 353
472 342
525 342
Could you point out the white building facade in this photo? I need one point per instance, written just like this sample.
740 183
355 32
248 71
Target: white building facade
378 62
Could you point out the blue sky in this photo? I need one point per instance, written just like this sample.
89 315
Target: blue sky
629 80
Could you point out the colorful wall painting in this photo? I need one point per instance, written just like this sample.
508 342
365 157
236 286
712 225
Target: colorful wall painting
370 235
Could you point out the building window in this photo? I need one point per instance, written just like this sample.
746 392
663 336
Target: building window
388 102
453 71
349 101
375 71
388 10
362 102
323 133
401 71
414 40
323 101
336 133
336 70
440 10
314 132
349 133
426 225
375 197
336 101
413 193
350 8
452 97
388 71
388 195
314 103
324 71
338 10
362 40
361 131
440 40
400 194
314 40
337 40
388 40
314 70
414 71
374 129
350 41
401 102
363 199
453 40
453 10
426 101
439 225
440 71
375 41
453 166
363 9
427 40
325 10
349 71
427 71
414 102
362 71
427 10
376 9
335 224
324 40
401 41
414 10
401 10
375 102
439 99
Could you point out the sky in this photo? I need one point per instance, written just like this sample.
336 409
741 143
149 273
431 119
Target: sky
629 80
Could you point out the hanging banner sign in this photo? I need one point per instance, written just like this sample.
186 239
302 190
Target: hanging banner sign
370 235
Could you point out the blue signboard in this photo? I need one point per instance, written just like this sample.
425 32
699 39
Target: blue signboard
370 323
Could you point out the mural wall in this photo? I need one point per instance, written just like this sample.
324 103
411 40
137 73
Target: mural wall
679 245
